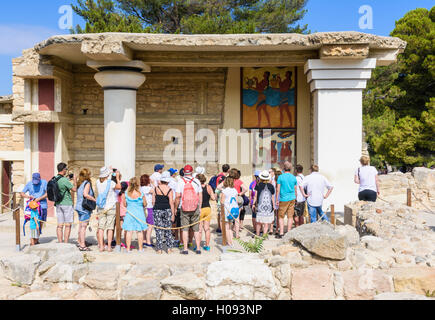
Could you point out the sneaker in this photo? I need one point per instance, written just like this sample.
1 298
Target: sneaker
218 231
185 252
198 252
206 249
278 236
148 245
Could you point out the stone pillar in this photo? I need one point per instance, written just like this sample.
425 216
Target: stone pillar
120 82
336 87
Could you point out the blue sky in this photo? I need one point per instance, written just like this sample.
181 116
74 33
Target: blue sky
23 23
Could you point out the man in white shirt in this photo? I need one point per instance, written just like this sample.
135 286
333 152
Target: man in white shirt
107 215
157 175
191 217
315 185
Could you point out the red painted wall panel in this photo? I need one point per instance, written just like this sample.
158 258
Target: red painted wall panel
46 154
46 94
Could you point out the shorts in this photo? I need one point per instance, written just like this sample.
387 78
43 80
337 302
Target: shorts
106 221
287 209
65 215
188 218
300 209
34 234
43 216
84 216
368 195
150 217
206 214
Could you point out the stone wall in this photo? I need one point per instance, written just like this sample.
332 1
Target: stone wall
169 97
421 181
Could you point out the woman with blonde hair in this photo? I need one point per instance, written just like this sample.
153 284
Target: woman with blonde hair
367 178
228 193
84 191
135 220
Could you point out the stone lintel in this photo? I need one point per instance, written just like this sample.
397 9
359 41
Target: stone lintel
106 50
385 57
344 51
38 116
151 119
225 59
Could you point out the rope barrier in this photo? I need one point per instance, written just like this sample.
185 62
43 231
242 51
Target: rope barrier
421 201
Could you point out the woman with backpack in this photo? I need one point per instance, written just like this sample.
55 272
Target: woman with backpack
207 194
164 213
263 203
135 220
229 200
84 191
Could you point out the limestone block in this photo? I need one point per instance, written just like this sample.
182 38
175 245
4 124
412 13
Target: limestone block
141 289
319 287
364 283
417 279
240 280
20 268
321 239
188 286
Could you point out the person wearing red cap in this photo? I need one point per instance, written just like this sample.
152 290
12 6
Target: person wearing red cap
189 195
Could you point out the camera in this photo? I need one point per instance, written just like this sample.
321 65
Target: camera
114 175
71 176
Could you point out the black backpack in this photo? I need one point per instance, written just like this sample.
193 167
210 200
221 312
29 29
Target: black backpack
53 191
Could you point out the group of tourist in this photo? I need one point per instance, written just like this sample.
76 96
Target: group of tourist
176 204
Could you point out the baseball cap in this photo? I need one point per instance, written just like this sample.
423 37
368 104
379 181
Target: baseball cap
188 169
158 167
172 171
36 178
257 173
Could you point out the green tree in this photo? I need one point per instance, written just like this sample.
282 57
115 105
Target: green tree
399 100
191 16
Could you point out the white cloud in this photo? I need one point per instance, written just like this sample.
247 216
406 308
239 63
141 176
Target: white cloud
17 37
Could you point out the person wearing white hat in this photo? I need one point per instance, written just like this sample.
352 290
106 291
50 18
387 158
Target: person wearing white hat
263 203
107 198
198 171
164 213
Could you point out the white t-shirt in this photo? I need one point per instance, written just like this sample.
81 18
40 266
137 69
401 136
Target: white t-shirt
148 196
367 178
300 179
111 196
316 185
173 185
196 186
155 179
229 193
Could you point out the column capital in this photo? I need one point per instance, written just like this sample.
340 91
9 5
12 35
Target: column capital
119 75
339 74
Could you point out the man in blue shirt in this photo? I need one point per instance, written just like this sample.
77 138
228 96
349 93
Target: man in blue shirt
37 189
287 190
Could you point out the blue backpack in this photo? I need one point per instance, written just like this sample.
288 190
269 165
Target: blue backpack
215 181
102 198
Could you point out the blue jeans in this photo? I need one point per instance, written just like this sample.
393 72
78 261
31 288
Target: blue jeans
314 211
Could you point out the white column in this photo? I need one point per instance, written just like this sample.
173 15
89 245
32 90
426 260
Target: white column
337 87
120 85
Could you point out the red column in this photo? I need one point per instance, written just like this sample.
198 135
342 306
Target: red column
6 183
46 133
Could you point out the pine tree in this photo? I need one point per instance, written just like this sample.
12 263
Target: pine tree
191 16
